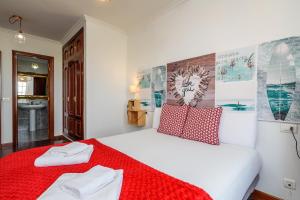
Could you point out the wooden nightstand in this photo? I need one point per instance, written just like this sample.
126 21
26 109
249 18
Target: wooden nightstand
136 116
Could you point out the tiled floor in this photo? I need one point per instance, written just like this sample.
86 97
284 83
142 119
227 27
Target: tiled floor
38 135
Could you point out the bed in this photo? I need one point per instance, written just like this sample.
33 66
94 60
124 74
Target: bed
225 171
154 164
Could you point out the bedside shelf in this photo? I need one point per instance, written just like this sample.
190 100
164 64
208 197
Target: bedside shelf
136 116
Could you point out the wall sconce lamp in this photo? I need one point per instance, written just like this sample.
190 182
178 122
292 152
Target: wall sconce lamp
19 36
133 90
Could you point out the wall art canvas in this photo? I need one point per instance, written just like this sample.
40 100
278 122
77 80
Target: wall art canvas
144 89
144 79
146 104
158 86
236 65
232 96
237 104
235 74
192 82
279 80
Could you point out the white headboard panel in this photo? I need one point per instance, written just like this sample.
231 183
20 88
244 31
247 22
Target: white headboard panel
238 128
235 128
156 118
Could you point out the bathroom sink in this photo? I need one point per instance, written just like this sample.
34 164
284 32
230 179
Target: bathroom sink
31 106
32 113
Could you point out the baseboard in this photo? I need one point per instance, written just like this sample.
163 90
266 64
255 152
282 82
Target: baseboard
62 137
59 137
263 196
71 139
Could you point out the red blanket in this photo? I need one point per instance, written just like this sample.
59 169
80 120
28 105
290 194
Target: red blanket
19 179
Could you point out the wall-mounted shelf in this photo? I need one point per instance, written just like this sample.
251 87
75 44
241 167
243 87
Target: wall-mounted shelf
136 116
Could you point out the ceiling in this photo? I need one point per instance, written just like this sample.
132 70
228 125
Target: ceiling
53 18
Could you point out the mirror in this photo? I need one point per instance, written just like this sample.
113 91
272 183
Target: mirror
31 85
32 77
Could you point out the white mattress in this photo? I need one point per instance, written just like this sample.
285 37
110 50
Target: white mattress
225 171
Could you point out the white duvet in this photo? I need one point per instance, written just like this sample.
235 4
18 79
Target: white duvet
225 171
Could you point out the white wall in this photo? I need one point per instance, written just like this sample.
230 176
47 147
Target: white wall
105 79
200 27
105 92
37 45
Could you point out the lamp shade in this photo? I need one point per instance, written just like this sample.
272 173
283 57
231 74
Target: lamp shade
20 37
132 89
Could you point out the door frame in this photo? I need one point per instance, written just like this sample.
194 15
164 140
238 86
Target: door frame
50 60
0 99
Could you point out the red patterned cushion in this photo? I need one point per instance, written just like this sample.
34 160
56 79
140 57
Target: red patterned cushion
202 124
172 119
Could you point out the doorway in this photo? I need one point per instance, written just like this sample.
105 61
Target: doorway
33 92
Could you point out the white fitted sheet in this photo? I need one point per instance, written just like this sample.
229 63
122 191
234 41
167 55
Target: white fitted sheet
225 171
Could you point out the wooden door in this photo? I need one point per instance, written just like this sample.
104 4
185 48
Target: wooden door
71 126
78 89
73 86
71 89
65 102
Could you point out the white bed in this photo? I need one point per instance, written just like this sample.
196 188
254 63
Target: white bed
225 171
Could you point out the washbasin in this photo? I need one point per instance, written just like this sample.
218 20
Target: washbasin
32 113
31 106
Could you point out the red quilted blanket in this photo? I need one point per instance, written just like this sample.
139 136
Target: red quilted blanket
19 179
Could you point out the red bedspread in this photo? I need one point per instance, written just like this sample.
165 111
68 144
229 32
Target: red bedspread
19 179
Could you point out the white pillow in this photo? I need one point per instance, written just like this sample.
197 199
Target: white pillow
238 128
156 118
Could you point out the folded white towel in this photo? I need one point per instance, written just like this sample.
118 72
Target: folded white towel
69 149
48 159
110 192
89 182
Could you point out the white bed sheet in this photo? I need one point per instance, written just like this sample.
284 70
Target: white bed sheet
225 171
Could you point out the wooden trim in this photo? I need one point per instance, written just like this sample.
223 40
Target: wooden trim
32 74
258 195
0 98
50 60
23 53
72 38
59 137
63 90
51 98
14 100
32 97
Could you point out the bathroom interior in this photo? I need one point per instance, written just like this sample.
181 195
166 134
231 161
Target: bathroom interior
32 97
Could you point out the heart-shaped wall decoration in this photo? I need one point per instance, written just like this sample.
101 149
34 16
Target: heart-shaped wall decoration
189 86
